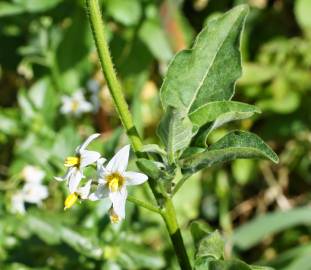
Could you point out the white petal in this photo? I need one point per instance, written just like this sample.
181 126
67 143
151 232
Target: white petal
34 193
66 105
65 109
101 170
118 200
33 174
85 106
85 190
65 99
134 178
119 162
87 142
88 157
101 192
78 94
74 180
66 176
58 178
17 202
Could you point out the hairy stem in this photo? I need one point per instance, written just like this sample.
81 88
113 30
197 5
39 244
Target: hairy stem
169 216
98 29
168 212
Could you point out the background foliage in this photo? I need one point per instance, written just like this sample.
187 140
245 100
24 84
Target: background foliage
47 52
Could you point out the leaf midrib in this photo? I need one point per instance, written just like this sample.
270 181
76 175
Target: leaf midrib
236 148
211 64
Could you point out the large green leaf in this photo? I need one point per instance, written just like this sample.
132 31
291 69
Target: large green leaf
175 131
221 112
250 234
209 70
236 144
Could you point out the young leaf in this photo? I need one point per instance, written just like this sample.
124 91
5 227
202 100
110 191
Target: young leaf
229 265
149 167
222 112
153 148
236 144
211 246
199 230
209 70
175 131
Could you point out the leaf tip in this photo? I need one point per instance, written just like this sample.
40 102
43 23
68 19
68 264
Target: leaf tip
243 8
275 158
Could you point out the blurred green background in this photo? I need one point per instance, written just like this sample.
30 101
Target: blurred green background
53 95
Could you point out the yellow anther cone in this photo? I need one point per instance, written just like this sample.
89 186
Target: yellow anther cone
70 200
71 161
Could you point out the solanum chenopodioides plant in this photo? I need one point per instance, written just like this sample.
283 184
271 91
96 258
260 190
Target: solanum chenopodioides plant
196 97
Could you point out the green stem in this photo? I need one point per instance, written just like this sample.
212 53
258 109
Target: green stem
169 216
144 204
168 212
98 29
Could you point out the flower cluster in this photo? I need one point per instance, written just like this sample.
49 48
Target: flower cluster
33 191
111 178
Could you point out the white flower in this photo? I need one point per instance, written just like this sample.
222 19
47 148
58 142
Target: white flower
76 163
17 203
31 193
34 193
81 193
75 104
32 174
113 180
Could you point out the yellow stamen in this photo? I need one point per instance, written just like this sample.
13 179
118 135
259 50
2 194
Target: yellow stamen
114 218
115 181
72 161
71 200
75 105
